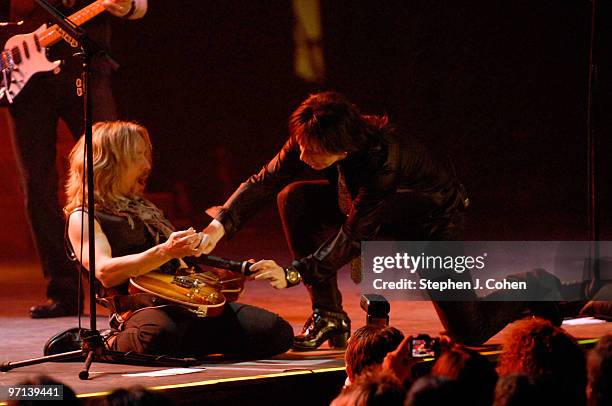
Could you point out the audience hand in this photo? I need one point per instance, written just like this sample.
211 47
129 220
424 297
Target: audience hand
271 271
400 361
117 8
446 343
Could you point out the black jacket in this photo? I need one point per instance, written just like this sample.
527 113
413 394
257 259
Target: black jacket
393 164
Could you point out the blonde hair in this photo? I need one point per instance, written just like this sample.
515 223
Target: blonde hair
115 144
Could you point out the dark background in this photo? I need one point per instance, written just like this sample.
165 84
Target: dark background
500 85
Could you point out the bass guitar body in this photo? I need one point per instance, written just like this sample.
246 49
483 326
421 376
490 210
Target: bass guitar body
23 59
25 54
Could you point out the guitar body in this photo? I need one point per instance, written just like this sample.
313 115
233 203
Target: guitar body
28 58
204 294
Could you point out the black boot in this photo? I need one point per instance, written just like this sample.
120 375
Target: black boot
70 340
54 308
323 326
64 341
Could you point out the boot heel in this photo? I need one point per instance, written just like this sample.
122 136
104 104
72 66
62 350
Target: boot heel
339 341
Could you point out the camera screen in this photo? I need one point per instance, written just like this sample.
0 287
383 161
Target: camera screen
422 348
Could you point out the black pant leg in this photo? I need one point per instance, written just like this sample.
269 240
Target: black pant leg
240 332
36 112
466 318
71 107
35 116
153 331
310 214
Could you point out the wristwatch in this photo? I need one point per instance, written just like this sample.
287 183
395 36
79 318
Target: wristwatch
292 276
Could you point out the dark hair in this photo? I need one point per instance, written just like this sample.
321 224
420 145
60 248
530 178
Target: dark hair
372 388
68 395
520 390
540 350
433 391
599 371
135 396
369 345
474 373
329 121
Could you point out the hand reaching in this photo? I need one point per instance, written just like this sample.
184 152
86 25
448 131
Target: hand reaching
271 271
400 361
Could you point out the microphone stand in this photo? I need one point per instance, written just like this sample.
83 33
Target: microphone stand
93 347
592 263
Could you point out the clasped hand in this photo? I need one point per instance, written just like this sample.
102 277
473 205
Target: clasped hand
183 243
262 270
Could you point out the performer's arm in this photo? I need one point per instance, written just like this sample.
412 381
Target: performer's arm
260 188
362 223
130 9
114 271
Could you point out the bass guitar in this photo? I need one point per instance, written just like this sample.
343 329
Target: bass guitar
25 55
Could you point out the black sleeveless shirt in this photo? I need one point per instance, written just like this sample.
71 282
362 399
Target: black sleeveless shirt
127 236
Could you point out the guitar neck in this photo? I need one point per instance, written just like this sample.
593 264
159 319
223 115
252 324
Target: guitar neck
54 33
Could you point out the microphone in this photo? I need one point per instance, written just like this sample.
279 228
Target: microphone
243 267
